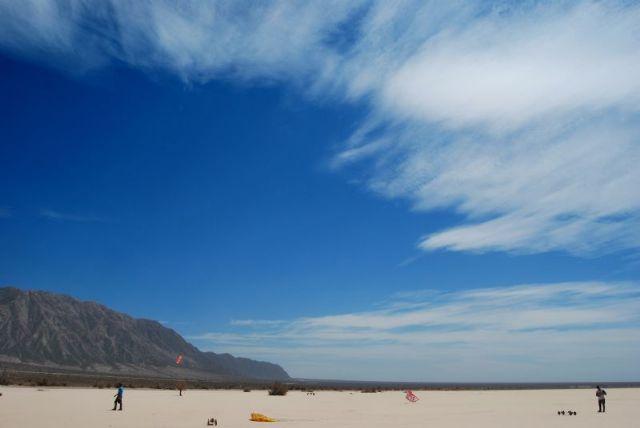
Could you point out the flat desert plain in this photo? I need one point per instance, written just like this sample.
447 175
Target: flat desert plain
91 408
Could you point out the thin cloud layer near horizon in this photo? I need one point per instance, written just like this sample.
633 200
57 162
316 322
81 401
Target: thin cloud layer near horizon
324 156
486 335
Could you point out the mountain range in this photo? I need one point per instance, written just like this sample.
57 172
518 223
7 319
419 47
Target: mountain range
54 331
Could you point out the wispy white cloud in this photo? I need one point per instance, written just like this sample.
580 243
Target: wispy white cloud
256 323
572 330
60 216
505 71
196 40
525 122
523 118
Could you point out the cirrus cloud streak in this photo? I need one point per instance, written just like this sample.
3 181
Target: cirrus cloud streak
522 118
570 330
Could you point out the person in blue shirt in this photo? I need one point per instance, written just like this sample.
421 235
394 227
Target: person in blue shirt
118 396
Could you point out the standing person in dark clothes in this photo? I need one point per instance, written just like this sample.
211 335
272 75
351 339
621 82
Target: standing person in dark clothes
118 396
601 393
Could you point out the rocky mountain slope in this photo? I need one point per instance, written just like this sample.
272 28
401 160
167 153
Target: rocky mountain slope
53 330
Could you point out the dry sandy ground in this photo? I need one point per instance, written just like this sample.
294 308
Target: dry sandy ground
90 408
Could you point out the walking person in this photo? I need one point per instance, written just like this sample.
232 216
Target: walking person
118 396
601 393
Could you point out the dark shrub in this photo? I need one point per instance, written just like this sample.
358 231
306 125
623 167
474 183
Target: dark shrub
4 378
278 388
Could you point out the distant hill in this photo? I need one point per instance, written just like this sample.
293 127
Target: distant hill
56 331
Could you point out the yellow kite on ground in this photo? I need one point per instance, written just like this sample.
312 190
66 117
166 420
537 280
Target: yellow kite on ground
259 417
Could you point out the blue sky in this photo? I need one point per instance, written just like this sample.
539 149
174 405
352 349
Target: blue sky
356 190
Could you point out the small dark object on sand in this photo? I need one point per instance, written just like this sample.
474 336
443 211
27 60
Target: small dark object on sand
212 422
